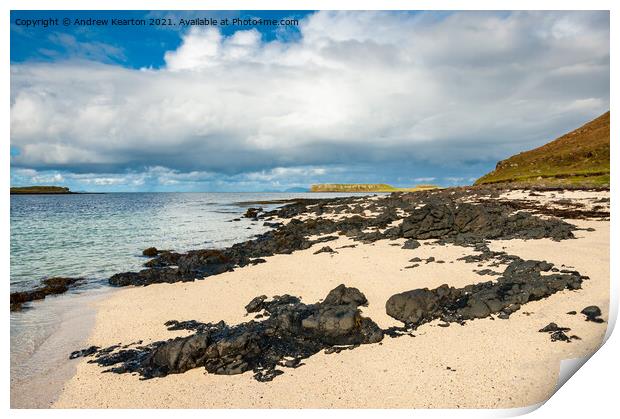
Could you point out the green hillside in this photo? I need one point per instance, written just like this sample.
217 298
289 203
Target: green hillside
579 158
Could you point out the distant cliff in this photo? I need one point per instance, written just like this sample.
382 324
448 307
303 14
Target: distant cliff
365 187
31 190
578 159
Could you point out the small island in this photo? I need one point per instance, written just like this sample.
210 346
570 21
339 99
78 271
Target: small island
366 187
40 190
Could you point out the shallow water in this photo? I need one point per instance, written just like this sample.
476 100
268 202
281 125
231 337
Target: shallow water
95 236
98 235
45 337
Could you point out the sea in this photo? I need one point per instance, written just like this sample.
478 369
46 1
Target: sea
94 236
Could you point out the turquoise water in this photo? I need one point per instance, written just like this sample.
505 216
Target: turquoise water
97 235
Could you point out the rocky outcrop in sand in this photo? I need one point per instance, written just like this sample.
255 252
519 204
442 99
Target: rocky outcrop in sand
430 215
522 281
290 332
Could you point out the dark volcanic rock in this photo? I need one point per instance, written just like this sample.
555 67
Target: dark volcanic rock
414 307
343 295
325 249
552 327
185 325
559 335
557 332
204 263
429 222
411 244
520 283
148 276
189 266
163 258
256 305
272 225
150 252
293 331
252 212
50 286
592 314
487 272
91 350
475 222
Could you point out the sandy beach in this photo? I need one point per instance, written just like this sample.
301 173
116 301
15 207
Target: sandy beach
486 363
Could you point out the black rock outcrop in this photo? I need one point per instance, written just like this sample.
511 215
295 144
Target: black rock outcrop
252 212
474 222
150 252
50 286
325 249
592 314
291 332
556 333
521 282
411 244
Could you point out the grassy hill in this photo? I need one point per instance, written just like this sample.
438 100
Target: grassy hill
579 158
27 190
365 187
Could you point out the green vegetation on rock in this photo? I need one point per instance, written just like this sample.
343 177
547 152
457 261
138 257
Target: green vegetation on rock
577 159
40 190
365 187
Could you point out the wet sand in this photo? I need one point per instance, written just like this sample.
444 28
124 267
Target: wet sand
487 363
39 363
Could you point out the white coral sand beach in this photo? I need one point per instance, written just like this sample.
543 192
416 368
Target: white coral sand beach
486 363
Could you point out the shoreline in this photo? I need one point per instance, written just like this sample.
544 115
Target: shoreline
42 319
378 270
39 375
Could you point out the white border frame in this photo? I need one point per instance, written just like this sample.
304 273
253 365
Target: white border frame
591 393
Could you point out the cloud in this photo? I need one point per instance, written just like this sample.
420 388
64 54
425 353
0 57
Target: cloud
161 179
354 89
35 177
206 48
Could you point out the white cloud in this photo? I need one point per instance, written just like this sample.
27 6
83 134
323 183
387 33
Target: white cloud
204 48
158 178
357 87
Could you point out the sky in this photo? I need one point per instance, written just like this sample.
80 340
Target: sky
340 97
